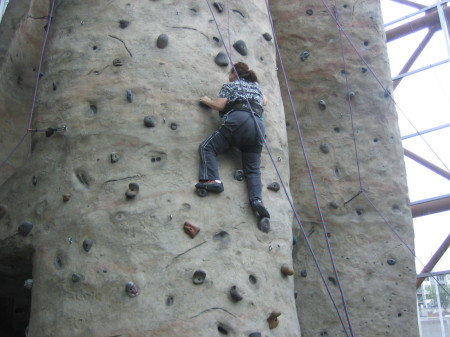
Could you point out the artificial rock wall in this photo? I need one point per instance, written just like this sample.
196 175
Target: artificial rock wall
340 85
88 240
129 99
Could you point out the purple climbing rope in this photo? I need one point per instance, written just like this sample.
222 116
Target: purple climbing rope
286 193
36 85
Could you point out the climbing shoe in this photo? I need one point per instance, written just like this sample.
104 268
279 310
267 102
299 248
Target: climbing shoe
215 186
259 209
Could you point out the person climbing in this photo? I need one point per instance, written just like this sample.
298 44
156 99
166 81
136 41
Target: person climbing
240 104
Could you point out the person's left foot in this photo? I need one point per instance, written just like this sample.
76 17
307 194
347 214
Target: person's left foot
259 209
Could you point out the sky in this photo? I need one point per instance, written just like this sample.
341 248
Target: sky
423 102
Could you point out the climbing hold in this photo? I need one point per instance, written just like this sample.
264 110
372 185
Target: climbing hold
221 59
117 62
273 319
87 244
114 157
129 96
239 175
216 39
325 148
295 294
3 210
221 235
274 186
222 329
351 95
190 229
133 190
169 300
234 293
309 11
264 225
58 262
34 180
149 121
77 277
28 284
304 55
162 41
334 204
241 47
255 334
173 126
131 289
322 104
66 197
294 240
219 6
387 93
391 262
199 277
267 36
287 270
25 228
303 273
252 279
54 86
124 24
363 70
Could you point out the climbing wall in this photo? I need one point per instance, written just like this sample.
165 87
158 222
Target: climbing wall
338 75
122 245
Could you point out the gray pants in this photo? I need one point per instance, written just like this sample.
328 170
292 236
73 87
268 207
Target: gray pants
239 129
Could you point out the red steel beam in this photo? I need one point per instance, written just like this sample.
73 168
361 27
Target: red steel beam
430 19
434 260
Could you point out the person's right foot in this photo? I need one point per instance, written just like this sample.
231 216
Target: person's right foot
259 209
211 186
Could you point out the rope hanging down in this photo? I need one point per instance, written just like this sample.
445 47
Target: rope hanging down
286 193
36 86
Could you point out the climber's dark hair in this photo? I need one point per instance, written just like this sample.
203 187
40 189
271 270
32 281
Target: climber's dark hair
244 72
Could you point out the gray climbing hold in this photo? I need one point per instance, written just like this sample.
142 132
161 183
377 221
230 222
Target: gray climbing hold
3 210
221 235
295 294
241 47
309 11
239 175
325 148
219 6
124 24
114 157
77 277
87 244
162 41
252 279
28 284
322 104
173 126
117 62
234 293
133 190
25 228
303 273
351 95
391 262
334 204
264 225
199 277
255 334
129 96
149 122
294 240
34 180
304 55
221 59
387 93
274 186
54 86
58 262
267 36
131 289
169 300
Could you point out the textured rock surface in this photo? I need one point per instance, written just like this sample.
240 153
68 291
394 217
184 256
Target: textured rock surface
78 200
82 293
351 148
